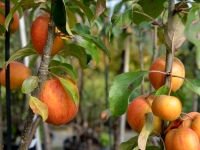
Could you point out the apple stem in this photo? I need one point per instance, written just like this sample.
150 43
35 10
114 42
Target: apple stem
42 75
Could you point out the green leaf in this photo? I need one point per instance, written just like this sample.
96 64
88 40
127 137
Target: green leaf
71 18
146 131
193 85
120 21
129 145
88 45
152 8
67 68
27 4
29 84
60 17
13 10
78 52
192 31
85 9
123 85
162 90
70 89
100 7
53 70
2 29
39 107
21 54
152 148
83 31
174 31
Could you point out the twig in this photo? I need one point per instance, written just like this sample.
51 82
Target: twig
42 75
154 21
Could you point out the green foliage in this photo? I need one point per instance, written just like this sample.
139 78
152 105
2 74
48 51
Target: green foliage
70 89
123 85
29 84
193 85
129 145
192 31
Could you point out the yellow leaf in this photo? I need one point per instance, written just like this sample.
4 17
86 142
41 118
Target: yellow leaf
39 107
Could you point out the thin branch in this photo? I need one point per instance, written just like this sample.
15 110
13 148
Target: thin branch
154 21
42 75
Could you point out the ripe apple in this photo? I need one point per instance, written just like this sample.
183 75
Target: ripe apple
182 139
166 107
14 24
136 113
39 32
61 107
18 73
158 79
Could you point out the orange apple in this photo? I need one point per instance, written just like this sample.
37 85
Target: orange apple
61 107
39 32
166 107
158 79
136 113
18 73
182 139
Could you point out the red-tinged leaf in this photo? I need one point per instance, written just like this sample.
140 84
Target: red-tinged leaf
39 107
146 131
100 7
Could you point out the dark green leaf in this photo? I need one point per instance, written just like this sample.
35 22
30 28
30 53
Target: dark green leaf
2 29
29 84
193 85
81 30
85 9
70 89
60 17
192 31
174 31
123 85
153 8
21 54
152 148
146 131
129 145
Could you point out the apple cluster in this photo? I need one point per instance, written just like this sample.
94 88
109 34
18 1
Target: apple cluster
182 133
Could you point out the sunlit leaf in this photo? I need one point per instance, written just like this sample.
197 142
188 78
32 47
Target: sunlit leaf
29 84
162 90
21 54
39 1
123 85
146 131
83 31
174 31
129 145
70 89
192 31
39 107
88 45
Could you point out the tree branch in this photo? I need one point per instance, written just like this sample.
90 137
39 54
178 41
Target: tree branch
42 75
